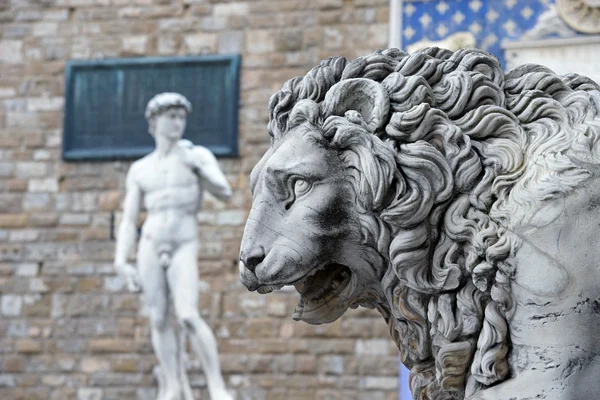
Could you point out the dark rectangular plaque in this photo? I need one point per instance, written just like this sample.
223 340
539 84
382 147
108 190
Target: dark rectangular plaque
106 100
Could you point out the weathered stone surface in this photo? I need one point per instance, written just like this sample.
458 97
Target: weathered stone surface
392 211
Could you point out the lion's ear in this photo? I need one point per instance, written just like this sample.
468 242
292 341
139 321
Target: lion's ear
365 96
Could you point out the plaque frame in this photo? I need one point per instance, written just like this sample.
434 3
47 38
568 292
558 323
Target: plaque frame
224 143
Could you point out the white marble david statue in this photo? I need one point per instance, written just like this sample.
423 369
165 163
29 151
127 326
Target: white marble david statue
169 182
460 201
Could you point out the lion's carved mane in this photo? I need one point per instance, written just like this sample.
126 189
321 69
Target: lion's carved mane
444 166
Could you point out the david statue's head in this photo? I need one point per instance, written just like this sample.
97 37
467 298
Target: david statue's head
166 114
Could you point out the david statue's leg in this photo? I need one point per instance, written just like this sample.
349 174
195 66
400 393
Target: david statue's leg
164 341
183 281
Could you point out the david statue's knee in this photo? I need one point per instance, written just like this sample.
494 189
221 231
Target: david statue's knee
189 320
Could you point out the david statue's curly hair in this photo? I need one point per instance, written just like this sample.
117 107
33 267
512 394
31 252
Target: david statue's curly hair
462 146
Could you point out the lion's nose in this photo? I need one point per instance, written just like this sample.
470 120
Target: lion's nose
252 257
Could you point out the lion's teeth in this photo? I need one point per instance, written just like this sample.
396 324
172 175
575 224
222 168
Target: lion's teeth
300 287
265 289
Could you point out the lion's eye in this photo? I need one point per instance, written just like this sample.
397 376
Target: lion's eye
301 187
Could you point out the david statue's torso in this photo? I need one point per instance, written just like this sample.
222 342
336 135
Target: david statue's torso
555 331
172 196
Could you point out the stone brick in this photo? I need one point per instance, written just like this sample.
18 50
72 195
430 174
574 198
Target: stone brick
6 169
382 383
135 45
7 381
31 169
28 15
89 394
201 42
36 201
14 363
332 365
37 285
95 364
28 346
11 305
110 345
56 15
13 220
43 185
110 201
27 269
227 9
45 104
260 41
10 202
167 45
372 346
74 219
125 364
324 4
231 42
43 29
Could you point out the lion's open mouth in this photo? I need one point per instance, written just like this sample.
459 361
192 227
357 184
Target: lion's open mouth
320 286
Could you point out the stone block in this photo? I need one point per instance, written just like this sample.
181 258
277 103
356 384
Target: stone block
261 328
28 15
6 169
124 364
231 42
134 45
43 29
43 185
381 382
27 269
110 345
11 305
11 202
28 346
14 363
168 45
110 201
372 347
289 40
31 169
260 41
94 364
45 104
7 381
89 394
333 38
326 4
11 51
36 201
333 365
199 43
228 9
56 15
74 219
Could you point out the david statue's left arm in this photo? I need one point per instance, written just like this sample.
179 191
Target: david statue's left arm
205 165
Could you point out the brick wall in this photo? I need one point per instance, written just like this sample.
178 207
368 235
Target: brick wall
68 330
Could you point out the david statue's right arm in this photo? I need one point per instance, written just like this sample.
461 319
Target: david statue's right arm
127 232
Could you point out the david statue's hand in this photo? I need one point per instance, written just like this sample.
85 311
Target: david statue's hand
129 273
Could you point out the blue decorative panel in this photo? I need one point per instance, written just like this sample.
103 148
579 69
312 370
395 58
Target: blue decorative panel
490 21
106 100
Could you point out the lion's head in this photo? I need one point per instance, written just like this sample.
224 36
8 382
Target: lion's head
388 184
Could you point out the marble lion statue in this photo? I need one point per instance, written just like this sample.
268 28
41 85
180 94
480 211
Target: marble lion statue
459 201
